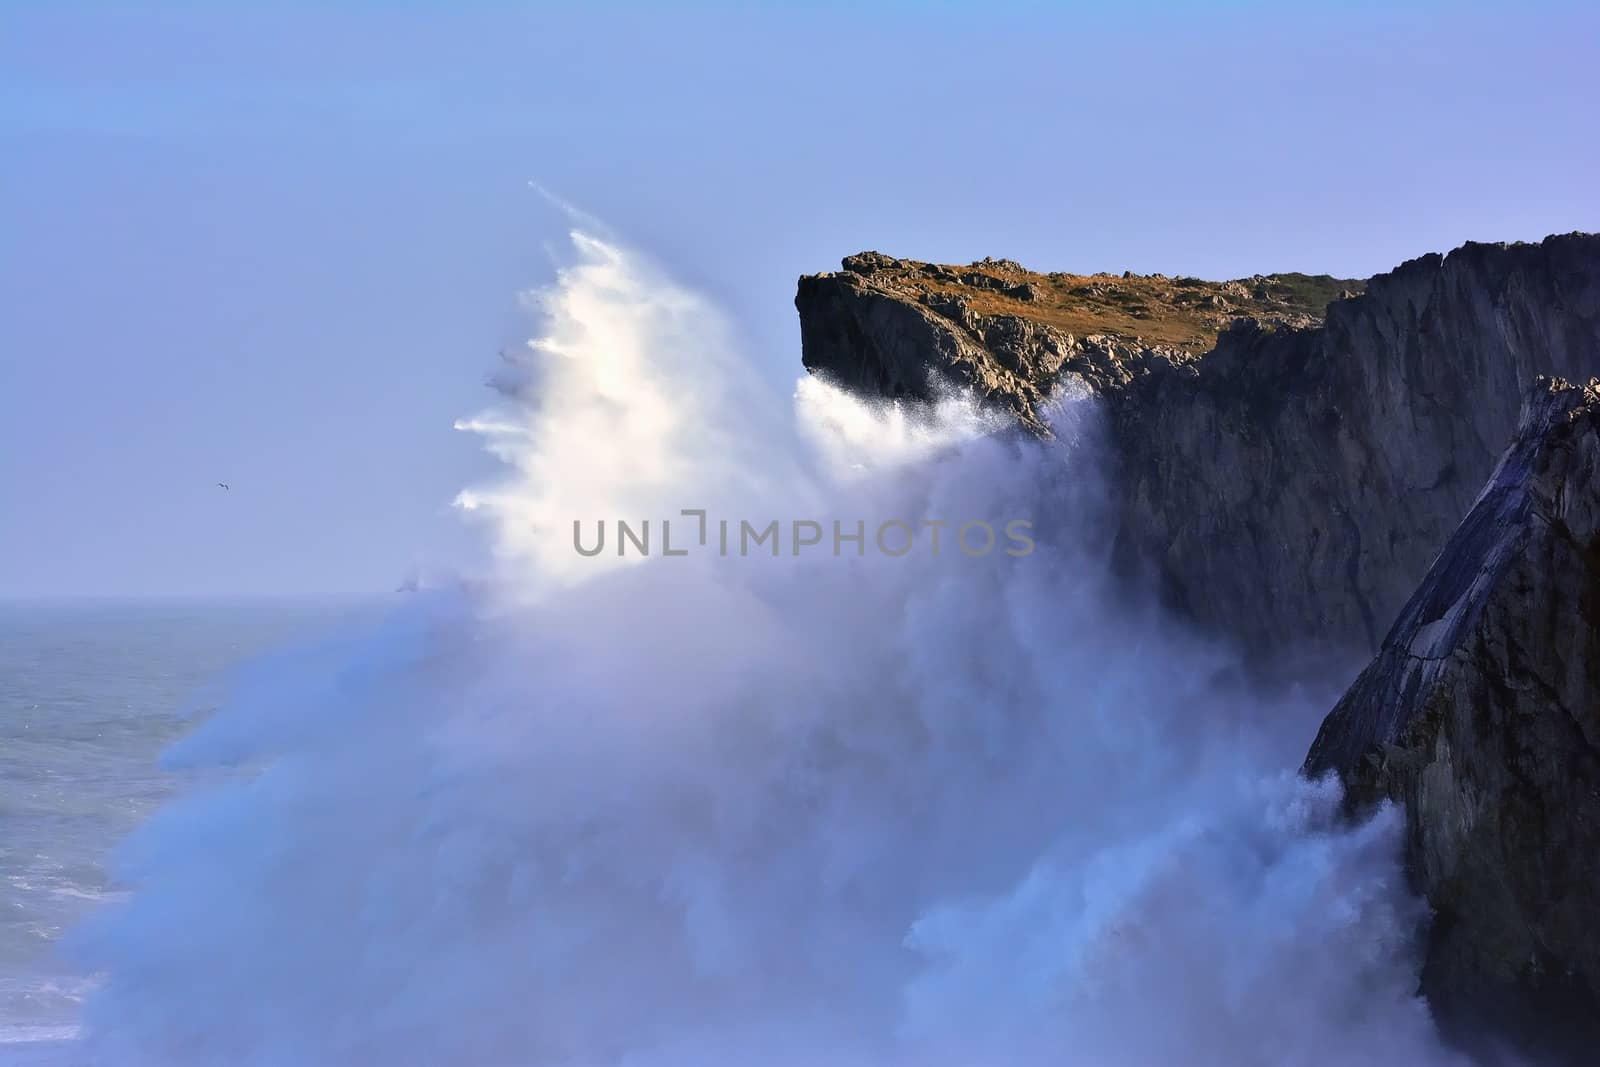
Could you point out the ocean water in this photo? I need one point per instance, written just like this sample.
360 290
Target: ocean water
91 692
837 801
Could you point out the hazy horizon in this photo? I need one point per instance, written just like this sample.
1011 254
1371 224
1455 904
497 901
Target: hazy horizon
280 249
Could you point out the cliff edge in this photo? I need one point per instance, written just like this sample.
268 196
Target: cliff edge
1293 448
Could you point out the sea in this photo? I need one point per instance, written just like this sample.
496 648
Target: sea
92 690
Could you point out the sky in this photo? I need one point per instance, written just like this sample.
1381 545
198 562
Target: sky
279 245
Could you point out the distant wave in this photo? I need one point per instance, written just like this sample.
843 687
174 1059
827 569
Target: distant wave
42 1046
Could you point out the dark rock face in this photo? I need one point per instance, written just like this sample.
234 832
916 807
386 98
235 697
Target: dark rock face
1292 483
1481 715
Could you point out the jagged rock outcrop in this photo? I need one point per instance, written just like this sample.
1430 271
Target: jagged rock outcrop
1481 715
1290 477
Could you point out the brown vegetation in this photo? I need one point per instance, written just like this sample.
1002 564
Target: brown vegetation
1155 308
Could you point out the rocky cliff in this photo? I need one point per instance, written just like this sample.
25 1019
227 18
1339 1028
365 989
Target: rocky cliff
1481 715
1298 478
1293 449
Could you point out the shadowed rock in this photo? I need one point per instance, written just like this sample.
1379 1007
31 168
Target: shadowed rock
1289 478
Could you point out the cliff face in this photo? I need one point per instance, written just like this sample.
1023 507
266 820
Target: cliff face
1292 482
1481 714
882 324
1292 478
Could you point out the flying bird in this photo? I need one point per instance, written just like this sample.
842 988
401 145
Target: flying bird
223 484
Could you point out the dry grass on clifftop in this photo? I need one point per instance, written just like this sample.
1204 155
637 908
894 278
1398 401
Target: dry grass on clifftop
1181 312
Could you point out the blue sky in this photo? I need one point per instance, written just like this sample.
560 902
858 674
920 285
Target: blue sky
279 245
